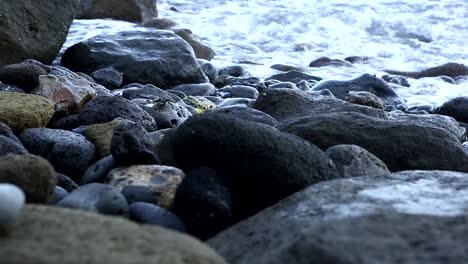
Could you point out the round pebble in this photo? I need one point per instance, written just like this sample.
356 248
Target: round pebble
12 200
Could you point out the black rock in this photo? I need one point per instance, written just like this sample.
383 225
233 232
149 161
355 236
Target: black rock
137 193
98 171
9 143
235 71
401 144
450 69
59 194
396 79
66 183
283 104
69 153
288 85
132 92
240 91
406 217
96 197
107 108
365 82
150 214
247 114
456 108
108 77
325 61
166 114
131 145
23 75
294 77
203 202
68 122
209 69
250 156
200 89
156 57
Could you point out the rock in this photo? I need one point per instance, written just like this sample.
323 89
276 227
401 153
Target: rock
10 88
23 75
150 214
456 107
365 82
9 143
131 145
199 103
246 113
170 60
33 29
240 91
33 174
161 180
108 77
229 102
128 10
59 194
283 104
286 68
167 114
250 156
358 59
137 193
203 201
234 70
12 202
107 108
98 171
66 183
406 217
21 111
68 122
396 79
70 153
450 69
96 239
401 144
354 161
98 198
294 77
159 23
196 89
325 61
101 135
365 98
201 51
132 92
288 85
69 91
209 69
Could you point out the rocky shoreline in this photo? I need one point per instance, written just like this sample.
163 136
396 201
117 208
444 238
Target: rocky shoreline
138 149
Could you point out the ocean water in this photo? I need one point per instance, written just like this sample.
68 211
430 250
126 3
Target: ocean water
401 35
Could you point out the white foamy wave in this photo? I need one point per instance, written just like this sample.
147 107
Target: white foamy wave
401 35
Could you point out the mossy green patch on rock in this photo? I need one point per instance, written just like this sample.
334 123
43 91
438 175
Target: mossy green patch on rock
20 111
101 135
44 234
33 174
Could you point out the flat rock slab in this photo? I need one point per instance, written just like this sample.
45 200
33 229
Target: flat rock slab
406 217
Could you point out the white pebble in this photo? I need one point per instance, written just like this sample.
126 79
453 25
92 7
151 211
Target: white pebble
12 200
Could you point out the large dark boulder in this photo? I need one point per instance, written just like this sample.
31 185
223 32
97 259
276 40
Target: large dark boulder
456 107
260 164
451 69
283 104
366 82
34 29
150 57
406 217
401 144
129 10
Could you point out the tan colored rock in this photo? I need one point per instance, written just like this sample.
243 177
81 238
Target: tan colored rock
162 180
21 111
101 135
53 235
69 91
201 50
33 174
365 98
